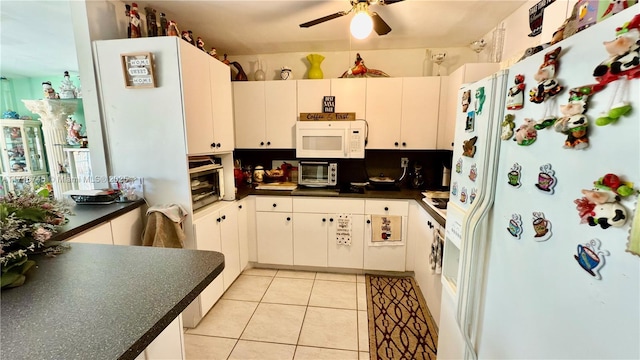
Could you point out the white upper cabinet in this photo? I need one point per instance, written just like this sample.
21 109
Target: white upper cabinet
384 111
265 114
311 93
222 107
420 105
350 96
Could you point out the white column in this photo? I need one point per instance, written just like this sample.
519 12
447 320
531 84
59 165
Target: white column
53 115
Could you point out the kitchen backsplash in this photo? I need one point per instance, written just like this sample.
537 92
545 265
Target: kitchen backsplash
376 163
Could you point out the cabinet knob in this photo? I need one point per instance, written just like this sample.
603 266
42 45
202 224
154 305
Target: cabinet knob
386 208
274 205
404 143
396 143
368 221
330 219
213 145
262 143
324 220
224 217
218 220
268 143
218 145
451 144
239 206
288 218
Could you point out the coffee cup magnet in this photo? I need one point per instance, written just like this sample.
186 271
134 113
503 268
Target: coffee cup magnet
454 189
463 195
515 226
473 172
546 179
541 226
591 258
473 195
459 166
514 175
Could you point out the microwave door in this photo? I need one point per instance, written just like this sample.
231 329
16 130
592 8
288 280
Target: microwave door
323 144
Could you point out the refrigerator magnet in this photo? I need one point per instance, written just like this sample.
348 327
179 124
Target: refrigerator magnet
515 226
623 55
541 227
466 100
546 179
601 208
469 124
514 175
574 123
515 95
480 99
469 147
473 195
508 124
526 133
473 172
454 188
591 258
459 166
633 243
463 195
548 85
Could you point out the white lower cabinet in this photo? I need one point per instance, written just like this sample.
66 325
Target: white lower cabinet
310 233
385 257
347 256
100 234
274 230
168 345
126 229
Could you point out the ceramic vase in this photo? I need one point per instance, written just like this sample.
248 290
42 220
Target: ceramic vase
315 72
259 74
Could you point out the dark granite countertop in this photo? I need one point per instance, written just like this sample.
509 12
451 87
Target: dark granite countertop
101 301
401 194
87 216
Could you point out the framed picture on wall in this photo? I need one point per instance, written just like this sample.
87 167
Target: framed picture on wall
138 70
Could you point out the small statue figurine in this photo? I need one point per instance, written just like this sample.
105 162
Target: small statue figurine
548 86
172 29
134 22
213 53
67 89
241 75
163 25
73 132
360 70
127 13
49 92
200 44
186 36
225 60
152 25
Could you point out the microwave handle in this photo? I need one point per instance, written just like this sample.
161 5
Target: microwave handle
346 144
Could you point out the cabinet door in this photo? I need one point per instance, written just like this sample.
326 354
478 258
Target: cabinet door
446 118
311 93
420 106
430 282
169 344
207 235
384 112
249 114
100 234
384 258
281 114
127 229
243 233
350 95
275 238
229 244
346 256
310 239
196 95
222 106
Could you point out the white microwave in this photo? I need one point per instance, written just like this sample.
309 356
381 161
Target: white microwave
330 139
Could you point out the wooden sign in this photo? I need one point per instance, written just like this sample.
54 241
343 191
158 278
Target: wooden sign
327 116
138 70
329 104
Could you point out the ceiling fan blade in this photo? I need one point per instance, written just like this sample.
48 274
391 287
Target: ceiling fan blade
323 19
379 26
389 2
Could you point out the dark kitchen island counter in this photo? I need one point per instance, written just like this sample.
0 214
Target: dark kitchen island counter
101 301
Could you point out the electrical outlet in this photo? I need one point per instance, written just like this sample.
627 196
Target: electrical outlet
404 162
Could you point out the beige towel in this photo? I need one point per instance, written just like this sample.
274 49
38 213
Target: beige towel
386 230
161 231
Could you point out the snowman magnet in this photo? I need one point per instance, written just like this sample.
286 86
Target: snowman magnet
514 175
515 95
515 226
546 179
508 124
591 258
541 226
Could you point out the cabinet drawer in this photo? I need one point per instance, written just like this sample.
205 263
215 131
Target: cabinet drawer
274 203
328 206
387 207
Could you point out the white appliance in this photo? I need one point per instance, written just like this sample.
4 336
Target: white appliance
528 296
317 173
330 139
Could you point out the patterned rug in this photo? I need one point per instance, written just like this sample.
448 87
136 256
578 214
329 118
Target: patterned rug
400 325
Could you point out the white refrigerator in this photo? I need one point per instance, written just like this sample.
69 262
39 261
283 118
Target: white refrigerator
544 263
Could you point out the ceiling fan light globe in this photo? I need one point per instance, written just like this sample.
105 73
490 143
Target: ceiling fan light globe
361 25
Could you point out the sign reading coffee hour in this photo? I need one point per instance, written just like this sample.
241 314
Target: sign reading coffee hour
138 70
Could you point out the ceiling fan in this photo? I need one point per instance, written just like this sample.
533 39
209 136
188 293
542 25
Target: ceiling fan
361 9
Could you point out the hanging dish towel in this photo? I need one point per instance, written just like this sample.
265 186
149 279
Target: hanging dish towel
164 226
435 258
386 230
343 230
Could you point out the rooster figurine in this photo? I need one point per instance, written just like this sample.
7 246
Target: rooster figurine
360 70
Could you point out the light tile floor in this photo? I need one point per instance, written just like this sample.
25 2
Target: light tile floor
285 314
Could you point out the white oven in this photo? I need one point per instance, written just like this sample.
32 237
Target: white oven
330 139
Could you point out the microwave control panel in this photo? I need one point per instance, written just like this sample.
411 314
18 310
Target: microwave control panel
333 174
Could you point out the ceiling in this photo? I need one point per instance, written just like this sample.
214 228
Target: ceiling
37 38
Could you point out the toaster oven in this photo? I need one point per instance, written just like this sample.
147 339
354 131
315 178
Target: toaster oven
206 178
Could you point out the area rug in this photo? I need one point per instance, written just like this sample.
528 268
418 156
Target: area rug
400 325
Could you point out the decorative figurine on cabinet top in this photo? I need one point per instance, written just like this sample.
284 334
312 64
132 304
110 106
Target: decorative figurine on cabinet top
548 86
67 89
214 53
315 72
152 24
172 29
134 22
49 92
187 35
200 44
515 96
361 70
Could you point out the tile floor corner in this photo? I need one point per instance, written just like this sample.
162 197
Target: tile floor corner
285 314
